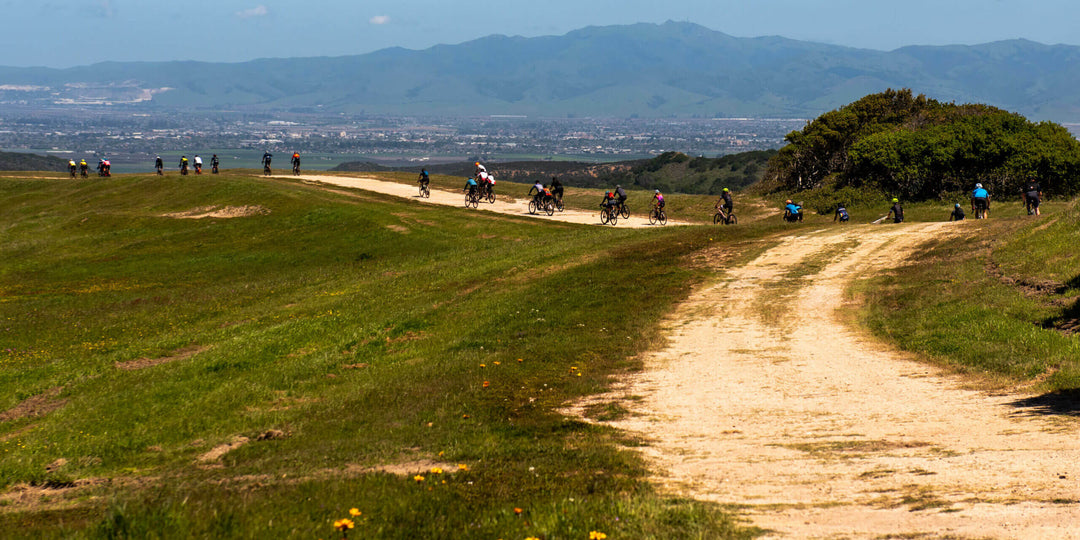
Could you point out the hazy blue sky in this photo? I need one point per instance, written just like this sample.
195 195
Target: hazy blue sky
60 33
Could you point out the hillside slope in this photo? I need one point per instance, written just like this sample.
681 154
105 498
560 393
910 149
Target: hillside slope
643 69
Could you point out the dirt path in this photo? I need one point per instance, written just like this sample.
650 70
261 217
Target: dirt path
816 431
502 204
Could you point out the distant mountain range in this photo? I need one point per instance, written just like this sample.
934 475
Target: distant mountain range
649 70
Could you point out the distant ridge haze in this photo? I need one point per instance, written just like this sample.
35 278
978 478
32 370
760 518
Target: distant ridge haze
650 70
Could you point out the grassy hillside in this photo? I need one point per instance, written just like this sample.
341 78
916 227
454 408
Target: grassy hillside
342 343
999 300
17 161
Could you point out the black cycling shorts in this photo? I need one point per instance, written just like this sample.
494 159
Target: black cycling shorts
980 203
1033 199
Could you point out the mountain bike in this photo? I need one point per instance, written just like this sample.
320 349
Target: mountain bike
541 205
183 170
213 168
425 192
296 169
657 214
72 171
609 215
623 210
489 194
159 168
266 169
472 199
558 205
725 218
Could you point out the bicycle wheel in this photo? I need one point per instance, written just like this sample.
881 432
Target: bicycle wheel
614 218
549 208
663 217
558 205
653 217
491 197
603 217
732 220
532 207
716 218
625 212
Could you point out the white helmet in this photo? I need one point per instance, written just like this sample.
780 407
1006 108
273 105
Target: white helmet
978 186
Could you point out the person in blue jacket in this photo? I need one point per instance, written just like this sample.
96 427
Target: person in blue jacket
980 202
792 211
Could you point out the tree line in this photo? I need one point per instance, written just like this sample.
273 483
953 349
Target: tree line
918 148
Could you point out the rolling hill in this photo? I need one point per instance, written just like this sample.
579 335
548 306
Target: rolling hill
649 70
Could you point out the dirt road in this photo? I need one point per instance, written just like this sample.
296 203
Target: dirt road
764 400
502 204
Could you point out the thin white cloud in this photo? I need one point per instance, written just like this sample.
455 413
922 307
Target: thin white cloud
257 11
380 19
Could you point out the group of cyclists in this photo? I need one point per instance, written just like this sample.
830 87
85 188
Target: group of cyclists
82 168
1031 194
268 157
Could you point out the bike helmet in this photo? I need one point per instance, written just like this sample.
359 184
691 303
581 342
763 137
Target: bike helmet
978 186
726 190
658 191
787 201
958 205
894 199
617 186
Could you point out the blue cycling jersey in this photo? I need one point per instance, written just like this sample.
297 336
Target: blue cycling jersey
471 182
792 208
980 194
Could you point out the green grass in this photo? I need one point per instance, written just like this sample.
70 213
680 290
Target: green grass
951 304
364 327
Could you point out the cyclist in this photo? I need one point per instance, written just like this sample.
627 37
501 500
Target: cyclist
539 188
267 156
71 167
486 182
101 167
1032 195
158 165
725 202
621 194
480 168
183 164
659 198
470 186
83 167
792 211
897 211
424 179
980 200
198 164
214 162
556 187
957 213
841 214
609 201
106 167
296 161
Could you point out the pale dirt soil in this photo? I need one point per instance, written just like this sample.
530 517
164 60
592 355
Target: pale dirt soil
814 430
518 207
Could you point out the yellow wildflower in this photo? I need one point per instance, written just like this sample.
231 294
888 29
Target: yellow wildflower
597 535
436 470
418 478
343 524
462 467
355 512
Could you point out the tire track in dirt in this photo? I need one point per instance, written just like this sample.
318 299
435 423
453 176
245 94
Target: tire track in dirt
812 430
518 207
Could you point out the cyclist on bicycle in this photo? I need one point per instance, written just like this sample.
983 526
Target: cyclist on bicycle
470 186
158 164
609 200
83 167
556 187
198 164
267 157
539 188
957 213
480 169
1032 196
725 202
621 194
659 198
841 214
424 179
296 160
71 167
792 211
214 162
183 164
980 200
